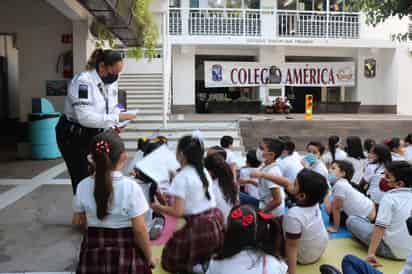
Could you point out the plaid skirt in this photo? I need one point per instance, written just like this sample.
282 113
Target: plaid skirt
111 251
195 243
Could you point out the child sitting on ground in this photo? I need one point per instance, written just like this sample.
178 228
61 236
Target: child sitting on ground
305 232
114 207
272 196
347 201
202 234
224 187
388 237
288 163
312 160
251 192
249 246
335 151
155 222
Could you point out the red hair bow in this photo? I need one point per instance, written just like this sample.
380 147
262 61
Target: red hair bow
247 220
102 147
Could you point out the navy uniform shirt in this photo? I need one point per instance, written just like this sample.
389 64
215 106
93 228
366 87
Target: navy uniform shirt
90 102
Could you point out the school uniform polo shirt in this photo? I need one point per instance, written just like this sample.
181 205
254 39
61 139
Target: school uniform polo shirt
305 224
265 190
394 209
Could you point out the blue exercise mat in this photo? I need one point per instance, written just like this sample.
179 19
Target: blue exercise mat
341 234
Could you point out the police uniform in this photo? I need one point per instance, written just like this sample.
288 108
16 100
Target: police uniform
90 107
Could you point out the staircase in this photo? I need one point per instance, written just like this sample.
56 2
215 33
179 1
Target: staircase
145 93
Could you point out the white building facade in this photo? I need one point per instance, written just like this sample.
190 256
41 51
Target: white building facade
281 32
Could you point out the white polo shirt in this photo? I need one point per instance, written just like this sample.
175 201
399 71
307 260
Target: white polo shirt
188 186
408 154
250 189
398 157
308 224
340 155
290 167
265 187
359 166
221 203
247 262
354 202
128 202
320 168
373 175
395 208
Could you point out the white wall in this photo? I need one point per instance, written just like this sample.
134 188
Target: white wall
183 75
378 90
403 81
39 28
384 30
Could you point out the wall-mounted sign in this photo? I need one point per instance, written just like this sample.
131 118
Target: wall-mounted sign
56 87
370 68
241 74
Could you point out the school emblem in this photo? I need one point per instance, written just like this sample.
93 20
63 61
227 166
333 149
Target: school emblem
217 72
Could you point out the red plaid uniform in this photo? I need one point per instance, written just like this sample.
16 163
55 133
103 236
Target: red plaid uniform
111 251
199 239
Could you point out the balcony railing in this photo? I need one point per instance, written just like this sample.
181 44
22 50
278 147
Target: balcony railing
266 23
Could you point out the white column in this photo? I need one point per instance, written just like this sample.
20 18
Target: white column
83 45
403 80
166 67
185 5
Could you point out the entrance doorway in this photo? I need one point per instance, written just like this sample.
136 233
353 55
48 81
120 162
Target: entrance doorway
297 95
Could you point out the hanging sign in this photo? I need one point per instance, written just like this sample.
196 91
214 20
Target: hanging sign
243 74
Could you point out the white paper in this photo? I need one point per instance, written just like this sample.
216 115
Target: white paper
123 124
158 164
132 111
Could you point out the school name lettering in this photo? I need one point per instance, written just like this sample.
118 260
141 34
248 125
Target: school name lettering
294 76
238 74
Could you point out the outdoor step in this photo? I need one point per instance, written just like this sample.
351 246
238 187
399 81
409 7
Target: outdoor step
129 134
151 102
140 75
145 101
143 109
142 96
145 106
147 111
131 144
184 125
139 83
143 88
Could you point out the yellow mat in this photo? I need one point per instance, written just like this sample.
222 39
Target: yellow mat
336 250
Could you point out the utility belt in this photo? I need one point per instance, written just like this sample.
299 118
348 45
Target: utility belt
74 129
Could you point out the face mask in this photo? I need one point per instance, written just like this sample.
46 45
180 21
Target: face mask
332 178
259 155
110 78
311 159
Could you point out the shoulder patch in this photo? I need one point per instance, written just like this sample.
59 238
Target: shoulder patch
83 92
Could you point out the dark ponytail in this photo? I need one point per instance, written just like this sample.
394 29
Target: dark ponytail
106 150
192 150
332 143
107 57
222 171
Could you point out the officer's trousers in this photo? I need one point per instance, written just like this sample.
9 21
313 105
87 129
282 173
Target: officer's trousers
74 143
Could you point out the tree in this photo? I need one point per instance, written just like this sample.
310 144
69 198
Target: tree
377 11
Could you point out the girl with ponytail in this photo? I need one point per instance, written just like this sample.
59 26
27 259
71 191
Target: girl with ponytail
202 235
335 152
225 190
114 207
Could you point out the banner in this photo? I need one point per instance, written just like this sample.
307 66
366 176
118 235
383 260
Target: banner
252 74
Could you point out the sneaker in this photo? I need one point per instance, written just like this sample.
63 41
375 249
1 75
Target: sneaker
329 269
156 230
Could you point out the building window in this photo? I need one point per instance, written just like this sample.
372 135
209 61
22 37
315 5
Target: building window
174 3
287 4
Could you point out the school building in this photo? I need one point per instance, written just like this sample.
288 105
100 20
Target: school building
44 42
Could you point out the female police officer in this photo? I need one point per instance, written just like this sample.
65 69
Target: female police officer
90 107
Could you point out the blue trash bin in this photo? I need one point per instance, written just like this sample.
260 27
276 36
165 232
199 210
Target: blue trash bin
43 136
